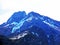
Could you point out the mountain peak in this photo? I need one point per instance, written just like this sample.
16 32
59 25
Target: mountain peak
34 14
31 29
17 16
20 21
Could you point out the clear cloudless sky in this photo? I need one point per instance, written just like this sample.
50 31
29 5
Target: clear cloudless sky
50 8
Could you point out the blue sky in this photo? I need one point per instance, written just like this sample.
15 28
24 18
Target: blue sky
50 8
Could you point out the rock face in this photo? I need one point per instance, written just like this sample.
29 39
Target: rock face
16 17
36 19
31 29
31 36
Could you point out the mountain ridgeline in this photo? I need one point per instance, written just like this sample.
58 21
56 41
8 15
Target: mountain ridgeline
30 29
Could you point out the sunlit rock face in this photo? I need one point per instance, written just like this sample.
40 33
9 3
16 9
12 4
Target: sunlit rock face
16 17
30 29
38 20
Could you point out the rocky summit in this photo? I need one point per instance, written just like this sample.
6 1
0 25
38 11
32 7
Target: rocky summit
30 29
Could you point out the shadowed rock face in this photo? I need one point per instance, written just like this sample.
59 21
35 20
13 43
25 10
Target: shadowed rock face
34 36
5 41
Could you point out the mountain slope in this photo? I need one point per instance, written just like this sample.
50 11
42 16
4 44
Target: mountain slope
32 36
19 21
35 19
16 17
31 29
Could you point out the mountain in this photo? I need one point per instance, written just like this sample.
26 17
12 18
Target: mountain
30 29
20 21
16 17
38 20
32 36
11 22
